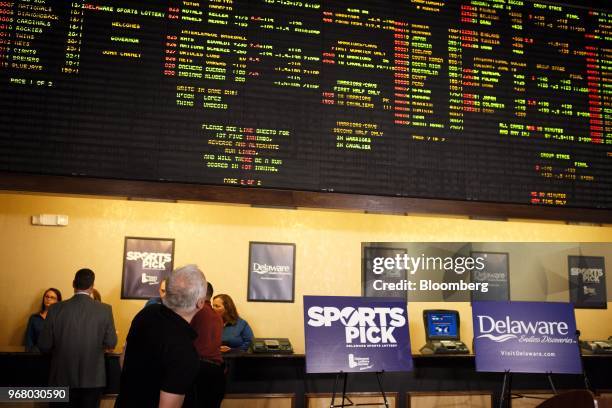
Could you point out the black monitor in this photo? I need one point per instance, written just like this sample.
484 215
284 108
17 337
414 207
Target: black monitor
441 324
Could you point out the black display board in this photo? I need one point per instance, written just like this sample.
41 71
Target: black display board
587 281
373 276
479 100
496 274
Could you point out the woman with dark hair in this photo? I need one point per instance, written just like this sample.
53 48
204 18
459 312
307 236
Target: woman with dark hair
36 321
237 334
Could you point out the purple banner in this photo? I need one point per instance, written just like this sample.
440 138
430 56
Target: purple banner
525 337
356 334
146 262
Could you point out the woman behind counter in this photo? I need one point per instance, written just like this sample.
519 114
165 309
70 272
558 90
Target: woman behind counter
36 321
237 334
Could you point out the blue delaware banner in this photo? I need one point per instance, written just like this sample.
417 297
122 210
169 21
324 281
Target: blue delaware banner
525 337
356 334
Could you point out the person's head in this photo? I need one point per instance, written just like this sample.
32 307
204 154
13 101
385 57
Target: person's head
162 288
209 291
185 291
95 295
225 307
50 297
83 279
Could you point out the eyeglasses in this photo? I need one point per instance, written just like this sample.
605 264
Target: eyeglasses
51 297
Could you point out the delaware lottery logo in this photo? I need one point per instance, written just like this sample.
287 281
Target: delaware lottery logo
363 363
150 279
263 269
506 329
363 325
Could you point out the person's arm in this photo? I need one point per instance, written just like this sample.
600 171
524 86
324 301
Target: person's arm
45 339
122 356
29 336
110 335
169 400
179 369
247 336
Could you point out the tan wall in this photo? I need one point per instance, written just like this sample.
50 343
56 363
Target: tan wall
216 237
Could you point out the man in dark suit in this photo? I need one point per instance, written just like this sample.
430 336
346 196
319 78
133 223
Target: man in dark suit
77 332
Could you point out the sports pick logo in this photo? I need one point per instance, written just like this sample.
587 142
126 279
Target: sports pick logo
150 260
589 275
363 324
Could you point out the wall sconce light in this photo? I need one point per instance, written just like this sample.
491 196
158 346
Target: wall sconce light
56 220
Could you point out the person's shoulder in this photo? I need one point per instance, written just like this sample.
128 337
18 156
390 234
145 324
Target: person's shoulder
206 314
72 301
153 301
58 306
35 317
92 303
149 314
199 316
209 311
104 308
215 317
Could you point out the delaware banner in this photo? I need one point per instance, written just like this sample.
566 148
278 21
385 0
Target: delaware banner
356 334
146 262
495 274
525 337
587 280
271 272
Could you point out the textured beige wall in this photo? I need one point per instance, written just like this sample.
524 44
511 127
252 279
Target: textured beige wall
216 237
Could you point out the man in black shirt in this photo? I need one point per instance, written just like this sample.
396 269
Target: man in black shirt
161 363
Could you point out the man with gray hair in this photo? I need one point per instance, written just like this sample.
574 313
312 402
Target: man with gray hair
160 363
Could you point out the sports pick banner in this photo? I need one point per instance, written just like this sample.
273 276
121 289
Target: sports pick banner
587 277
525 337
356 334
146 262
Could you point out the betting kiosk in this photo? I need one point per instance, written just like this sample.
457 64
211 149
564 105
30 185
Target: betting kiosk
442 333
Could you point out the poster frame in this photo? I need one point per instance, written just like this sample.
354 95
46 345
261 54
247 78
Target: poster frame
249 282
508 293
125 295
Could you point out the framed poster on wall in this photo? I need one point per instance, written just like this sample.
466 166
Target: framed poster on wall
146 262
271 272
376 278
493 269
587 281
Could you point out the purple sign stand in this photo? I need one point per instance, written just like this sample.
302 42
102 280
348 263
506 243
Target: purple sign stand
356 334
525 337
